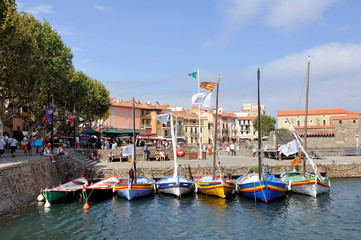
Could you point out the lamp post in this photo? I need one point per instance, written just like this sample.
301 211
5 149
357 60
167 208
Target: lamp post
52 110
74 116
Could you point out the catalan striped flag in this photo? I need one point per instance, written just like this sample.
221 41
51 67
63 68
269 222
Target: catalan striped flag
209 86
296 161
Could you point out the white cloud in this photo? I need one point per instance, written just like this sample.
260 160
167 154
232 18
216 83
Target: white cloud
42 8
100 8
281 15
292 14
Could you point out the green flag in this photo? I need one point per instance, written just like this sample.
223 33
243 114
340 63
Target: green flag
193 74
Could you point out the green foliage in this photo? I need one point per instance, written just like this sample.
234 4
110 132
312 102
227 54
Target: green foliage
267 124
253 169
283 130
36 65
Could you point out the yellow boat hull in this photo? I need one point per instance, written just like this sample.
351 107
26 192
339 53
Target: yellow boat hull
215 188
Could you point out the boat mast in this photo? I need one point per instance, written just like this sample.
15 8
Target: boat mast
134 145
306 115
259 131
215 134
199 122
174 142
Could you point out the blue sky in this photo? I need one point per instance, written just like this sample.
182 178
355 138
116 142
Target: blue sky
146 48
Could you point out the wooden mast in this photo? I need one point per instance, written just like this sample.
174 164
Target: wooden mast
259 130
306 115
134 145
215 134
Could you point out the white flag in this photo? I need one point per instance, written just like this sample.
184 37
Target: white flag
289 148
127 150
163 118
204 99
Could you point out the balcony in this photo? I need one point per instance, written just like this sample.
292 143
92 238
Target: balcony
146 126
146 116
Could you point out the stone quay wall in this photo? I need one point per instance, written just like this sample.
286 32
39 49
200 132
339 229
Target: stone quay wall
21 183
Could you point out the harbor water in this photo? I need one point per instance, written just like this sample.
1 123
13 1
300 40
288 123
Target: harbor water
335 215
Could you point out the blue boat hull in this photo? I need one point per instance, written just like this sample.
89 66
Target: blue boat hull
264 191
143 187
175 185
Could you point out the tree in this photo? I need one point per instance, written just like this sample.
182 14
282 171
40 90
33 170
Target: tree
267 124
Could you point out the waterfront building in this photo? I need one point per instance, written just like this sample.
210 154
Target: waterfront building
334 127
121 116
187 127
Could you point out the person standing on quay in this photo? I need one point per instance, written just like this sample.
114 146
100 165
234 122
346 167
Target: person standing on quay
13 145
2 147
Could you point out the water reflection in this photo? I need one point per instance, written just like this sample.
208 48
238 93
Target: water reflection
217 205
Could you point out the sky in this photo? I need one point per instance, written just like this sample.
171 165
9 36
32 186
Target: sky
146 49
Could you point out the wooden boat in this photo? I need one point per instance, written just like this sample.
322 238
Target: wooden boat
311 184
142 187
265 190
66 191
260 186
100 190
175 184
218 186
134 187
215 185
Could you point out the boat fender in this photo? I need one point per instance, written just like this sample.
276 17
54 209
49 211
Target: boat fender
289 185
86 206
47 204
155 188
196 188
41 198
236 187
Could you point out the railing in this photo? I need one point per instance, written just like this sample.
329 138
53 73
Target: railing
351 151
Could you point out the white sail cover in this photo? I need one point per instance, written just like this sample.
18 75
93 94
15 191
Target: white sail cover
163 118
289 148
128 150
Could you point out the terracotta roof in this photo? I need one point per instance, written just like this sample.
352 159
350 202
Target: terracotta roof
129 103
229 115
350 116
246 118
312 112
317 130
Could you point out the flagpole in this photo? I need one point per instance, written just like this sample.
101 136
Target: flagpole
215 135
199 121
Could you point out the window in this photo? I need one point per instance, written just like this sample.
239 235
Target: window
298 123
126 125
195 130
158 130
324 122
179 132
113 113
311 121
191 130
354 121
285 122
340 121
113 125
191 139
186 129
180 123
126 115
131 115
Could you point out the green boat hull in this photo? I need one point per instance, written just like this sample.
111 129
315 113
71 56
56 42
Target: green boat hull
58 196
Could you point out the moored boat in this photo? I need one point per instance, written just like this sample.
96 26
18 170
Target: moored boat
310 184
142 187
260 186
218 186
100 190
267 189
174 184
66 191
